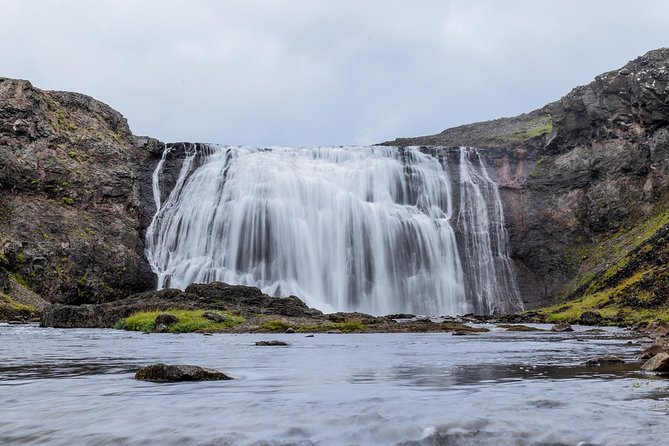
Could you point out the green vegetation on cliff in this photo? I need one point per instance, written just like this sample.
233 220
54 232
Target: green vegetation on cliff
11 309
624 278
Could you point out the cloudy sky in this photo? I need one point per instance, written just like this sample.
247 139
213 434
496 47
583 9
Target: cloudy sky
320 72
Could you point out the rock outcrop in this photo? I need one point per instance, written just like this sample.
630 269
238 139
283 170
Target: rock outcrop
580 177
75 196
164 373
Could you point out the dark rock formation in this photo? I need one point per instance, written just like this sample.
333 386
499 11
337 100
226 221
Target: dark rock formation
75 196
273 343
239 299
604 360
163 373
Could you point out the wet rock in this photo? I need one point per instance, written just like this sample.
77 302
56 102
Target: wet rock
400 316
463 333
309 336
163 373
604 360
334 332
273 343
166 319
515 327
161 328
215 317
658 363
561 327
590 318
290 330
652 351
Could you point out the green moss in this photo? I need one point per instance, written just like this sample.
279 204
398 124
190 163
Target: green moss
351 326
540 126
275 325
64 121
68 200
18 278
10 309
116 136
189 321
21 258
73 154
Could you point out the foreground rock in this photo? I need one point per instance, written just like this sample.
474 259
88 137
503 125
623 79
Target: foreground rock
163 373
561 327
658 364
273 343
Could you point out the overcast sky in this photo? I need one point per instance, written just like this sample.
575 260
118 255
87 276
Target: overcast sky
320 72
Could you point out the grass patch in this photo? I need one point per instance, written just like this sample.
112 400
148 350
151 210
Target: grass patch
351 326
189 321
540 126
18 278
275 325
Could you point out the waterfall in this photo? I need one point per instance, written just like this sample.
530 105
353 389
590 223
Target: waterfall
372 229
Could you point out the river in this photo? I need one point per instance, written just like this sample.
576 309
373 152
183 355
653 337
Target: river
76 387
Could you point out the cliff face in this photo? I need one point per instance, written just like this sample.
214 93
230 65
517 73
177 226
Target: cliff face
74 197
578 174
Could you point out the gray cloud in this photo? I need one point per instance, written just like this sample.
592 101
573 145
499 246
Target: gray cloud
306 72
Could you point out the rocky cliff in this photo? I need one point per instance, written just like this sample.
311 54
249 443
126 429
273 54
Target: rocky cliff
584 180
75 197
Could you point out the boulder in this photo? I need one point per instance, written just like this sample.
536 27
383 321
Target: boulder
604 360
658 363
215 317
652 351
561 327
166 319
273 343
161 328
590 318
163 373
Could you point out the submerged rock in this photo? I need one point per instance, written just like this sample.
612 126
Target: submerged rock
604 360
273 343
163 373
561 327
658 363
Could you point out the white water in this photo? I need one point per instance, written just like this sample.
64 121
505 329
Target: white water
345 228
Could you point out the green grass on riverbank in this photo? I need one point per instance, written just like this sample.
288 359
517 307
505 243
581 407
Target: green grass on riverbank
188 321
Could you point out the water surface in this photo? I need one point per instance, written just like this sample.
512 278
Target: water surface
76 387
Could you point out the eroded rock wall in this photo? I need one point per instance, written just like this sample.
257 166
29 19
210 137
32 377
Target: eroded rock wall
74 196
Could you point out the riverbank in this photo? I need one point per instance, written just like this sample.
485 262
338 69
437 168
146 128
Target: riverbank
219 307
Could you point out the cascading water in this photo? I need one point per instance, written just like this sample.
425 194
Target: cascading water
372 229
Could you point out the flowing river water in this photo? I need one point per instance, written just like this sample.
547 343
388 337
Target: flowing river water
76 387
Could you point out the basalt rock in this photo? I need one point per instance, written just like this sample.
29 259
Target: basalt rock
163 373
75 196
561 327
